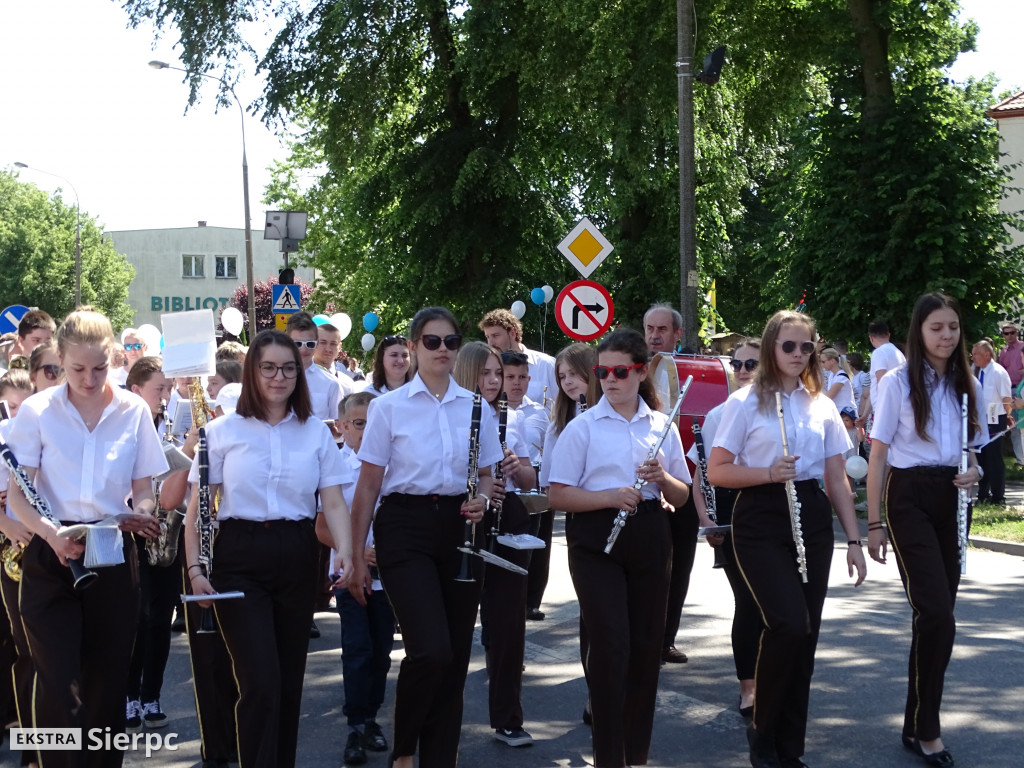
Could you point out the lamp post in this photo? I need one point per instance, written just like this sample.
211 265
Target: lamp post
245 191
78 230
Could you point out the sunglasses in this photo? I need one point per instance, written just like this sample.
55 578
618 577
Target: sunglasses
306 344
389 340
806 347
620 371
739 365
52 372
134 347
432 342
1009 332
269 370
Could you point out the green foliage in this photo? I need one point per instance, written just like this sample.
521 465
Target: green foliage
37 256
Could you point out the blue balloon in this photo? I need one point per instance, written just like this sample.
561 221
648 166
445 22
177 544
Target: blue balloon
370 321
537 296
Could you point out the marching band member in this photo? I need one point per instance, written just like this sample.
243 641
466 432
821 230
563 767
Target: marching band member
746 621
748 454
392 365
622 595
268 460
418 433
504 331
88 445
916 443
44 367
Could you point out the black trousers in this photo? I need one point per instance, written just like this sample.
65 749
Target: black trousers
267 631
416 538
921 513
622 598
684 524
503 620
542 526
790 610
81 644
159 588
216 691
22 670
993 484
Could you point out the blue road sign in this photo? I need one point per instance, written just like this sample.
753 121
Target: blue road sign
286 299
10 318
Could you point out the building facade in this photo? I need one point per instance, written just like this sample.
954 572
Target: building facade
1009 116
193 267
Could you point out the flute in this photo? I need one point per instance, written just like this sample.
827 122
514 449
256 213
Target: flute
794 502
620 519
963 494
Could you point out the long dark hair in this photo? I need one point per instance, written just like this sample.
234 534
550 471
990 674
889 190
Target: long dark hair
958 370
251 403
632 343
378 376
581 358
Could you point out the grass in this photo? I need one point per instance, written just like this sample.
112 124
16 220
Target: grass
994 522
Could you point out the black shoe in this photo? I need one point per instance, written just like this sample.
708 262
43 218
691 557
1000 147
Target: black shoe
514 737
535 614
314 633
354 752
747 712
178 625
588 719
762 749
938 759
373 737
673 655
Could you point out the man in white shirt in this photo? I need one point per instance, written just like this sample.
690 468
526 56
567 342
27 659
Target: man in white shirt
996 391
503 331
328 341
885 358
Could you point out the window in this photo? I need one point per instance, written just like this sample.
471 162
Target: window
225 266
192 266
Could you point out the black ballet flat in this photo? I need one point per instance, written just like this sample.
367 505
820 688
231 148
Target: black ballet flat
941 759
746 712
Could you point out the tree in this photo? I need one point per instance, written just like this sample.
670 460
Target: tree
37 256
263 290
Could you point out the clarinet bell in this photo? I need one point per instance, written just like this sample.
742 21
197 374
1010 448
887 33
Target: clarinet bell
465 574
83 576
207 623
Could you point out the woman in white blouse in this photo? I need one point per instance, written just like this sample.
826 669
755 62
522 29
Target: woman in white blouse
748 455
87 445
268 461
622 595
392 365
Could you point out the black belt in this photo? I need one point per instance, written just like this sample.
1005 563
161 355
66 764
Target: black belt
937 470
235 522
647 505
424 499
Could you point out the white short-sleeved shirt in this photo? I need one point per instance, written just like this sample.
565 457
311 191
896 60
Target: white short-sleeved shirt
270 472
995 385
707 432
814 431
885 358
845 397
86 476
533 421
542 373
515 439
550 438
894 421
861 381
324 392
5 476
599 449
423 442
348 490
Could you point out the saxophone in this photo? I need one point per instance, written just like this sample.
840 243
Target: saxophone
163 550
794 502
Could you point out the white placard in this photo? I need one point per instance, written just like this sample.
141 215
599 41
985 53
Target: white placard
190 343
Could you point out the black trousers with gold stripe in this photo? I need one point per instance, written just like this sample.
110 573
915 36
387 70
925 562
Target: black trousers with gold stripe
22 671
921 513
791 610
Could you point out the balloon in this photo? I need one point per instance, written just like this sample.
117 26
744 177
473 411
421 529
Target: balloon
537 296
150 334
321 319
232 320
549 293
370 321
856 467
343 323
518 309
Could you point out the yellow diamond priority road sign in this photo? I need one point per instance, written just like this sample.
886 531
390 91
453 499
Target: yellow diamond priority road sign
585 247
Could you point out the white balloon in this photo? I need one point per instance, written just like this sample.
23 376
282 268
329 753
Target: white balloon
343 323
549 293
368 341
150 334
232 320
518 309
856 467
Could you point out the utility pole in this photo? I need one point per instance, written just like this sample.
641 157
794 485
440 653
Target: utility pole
689 281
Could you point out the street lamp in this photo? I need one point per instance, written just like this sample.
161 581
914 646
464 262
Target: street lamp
78 230
245 190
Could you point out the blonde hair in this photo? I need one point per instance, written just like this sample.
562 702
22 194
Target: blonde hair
768 379
833 354
470 363
85 326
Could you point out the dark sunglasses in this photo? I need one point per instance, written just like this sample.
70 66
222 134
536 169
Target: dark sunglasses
432 342
1009 332
806 347
52 372
620 371
739 365
306 344
389 340
133 347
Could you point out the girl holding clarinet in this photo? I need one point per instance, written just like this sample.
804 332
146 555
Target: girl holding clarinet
782 522
922 429
419 434
87 445
600 456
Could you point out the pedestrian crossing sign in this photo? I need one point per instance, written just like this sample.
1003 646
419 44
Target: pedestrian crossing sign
286 299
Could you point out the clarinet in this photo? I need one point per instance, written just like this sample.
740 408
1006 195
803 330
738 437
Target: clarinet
794 502
620 519
583 403
204 524
83 576
710 503
499 476
465 574
963 495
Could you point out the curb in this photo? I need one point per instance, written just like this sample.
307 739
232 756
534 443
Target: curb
996 545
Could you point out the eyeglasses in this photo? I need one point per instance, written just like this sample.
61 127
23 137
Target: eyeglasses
269 370
134 347
306 344
739 365
357 423
432 342
52 372
806 347
1010 332
620 371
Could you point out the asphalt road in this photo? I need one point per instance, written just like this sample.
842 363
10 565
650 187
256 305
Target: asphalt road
856 699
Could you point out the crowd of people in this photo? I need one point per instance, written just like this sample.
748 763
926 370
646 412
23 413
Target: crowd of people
395 496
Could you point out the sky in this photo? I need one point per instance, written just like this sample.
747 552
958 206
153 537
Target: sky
82 103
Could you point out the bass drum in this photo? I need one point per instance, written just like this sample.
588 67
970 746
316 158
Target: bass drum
712 384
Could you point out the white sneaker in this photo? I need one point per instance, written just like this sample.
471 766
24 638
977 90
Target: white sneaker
133 716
